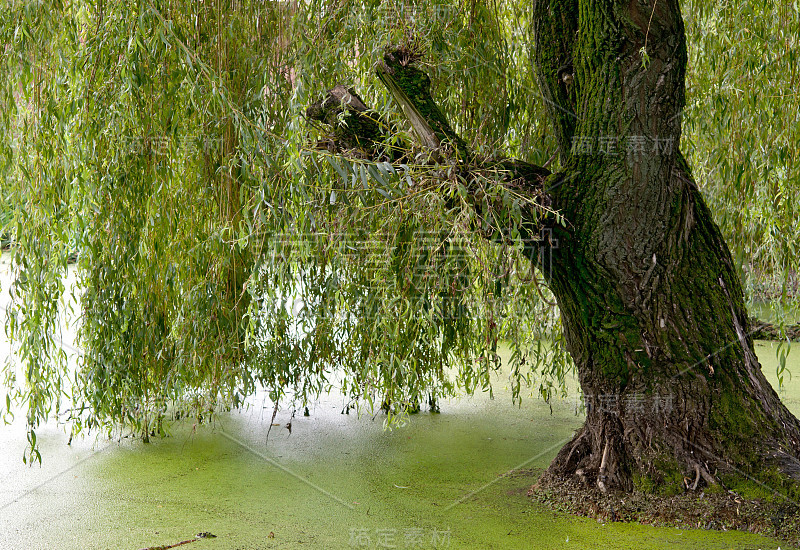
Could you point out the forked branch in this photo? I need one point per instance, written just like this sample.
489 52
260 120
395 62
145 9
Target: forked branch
363 130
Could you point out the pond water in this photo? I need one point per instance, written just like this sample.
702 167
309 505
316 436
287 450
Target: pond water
451 480
457 479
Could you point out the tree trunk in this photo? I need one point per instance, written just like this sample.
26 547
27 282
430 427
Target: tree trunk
652 308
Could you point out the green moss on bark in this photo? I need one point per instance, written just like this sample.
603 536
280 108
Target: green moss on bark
416 86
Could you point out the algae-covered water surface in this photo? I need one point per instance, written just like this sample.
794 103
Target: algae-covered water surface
457 479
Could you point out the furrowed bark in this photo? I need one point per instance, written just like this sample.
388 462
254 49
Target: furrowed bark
554 28
652 308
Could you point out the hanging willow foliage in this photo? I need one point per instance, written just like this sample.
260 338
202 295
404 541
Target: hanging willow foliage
742 126
220 251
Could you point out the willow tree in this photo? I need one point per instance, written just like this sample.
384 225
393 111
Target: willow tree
242 222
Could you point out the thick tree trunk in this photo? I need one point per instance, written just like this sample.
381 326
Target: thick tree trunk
672 386
652 308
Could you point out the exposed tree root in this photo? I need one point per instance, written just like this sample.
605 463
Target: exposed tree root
613 453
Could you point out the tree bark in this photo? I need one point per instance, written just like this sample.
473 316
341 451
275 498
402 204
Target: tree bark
652 309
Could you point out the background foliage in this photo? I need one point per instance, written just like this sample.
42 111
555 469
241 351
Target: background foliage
219 251
742 133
